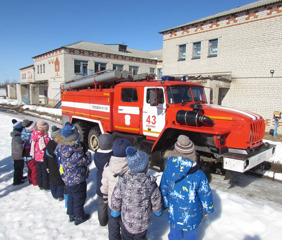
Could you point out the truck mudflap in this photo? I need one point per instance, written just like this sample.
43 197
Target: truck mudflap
244 162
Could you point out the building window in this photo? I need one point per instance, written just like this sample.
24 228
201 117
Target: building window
24 76
213 44
100 67
38 69
43 68
122 48
152 71
129 95
182 52
196 50
80 67
133 70
117 67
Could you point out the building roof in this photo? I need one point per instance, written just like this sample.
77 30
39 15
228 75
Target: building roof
110 48
228 12
27 67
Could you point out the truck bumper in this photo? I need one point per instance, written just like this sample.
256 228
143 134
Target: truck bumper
244 163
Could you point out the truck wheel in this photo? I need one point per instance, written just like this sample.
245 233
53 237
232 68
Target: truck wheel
82 129
93 138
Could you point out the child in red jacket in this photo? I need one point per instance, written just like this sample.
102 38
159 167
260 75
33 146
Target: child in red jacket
39 142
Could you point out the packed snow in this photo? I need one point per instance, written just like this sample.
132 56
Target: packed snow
29 213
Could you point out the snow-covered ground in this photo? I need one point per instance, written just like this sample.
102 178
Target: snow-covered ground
28 213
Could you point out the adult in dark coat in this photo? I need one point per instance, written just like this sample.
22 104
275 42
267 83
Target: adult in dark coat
101 158
50 160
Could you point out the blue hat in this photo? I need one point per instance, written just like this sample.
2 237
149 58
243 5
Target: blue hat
120 146
137 160
70 133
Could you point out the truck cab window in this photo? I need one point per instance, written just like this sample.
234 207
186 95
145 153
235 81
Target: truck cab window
129 95
151 94
199 94
179 94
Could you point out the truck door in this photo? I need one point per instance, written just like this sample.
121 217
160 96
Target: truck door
154 109
127 109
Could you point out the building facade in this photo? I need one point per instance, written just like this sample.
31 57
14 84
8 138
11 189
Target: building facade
237 53
53 68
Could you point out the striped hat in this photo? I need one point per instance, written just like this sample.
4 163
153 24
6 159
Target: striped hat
184 145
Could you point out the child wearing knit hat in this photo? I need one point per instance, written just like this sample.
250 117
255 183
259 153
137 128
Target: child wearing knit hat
117 166
136 196
75 160
101 158
26 133
185 190
57 185
39 142
17 151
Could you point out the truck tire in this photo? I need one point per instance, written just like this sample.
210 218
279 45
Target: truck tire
83 131
93 138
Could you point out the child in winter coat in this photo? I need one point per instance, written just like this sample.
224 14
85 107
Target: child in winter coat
17 152
101 158
116 166
50 160
136 196
186 191
39 142
26 133
74 159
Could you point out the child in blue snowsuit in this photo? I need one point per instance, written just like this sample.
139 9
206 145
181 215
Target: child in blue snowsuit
185 190
74 160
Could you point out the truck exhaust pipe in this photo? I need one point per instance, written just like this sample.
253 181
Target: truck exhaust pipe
193 118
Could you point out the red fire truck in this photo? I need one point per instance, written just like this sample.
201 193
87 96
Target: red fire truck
153 113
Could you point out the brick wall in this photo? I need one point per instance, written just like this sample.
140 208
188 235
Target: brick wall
249 46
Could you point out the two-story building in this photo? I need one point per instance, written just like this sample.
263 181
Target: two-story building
237 53
40 83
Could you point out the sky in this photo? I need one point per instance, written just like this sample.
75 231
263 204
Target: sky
31 27
29 213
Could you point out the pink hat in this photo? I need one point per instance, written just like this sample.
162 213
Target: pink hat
42 126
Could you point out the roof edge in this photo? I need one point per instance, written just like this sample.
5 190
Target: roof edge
243 8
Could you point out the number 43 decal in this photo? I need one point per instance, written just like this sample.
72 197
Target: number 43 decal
151 119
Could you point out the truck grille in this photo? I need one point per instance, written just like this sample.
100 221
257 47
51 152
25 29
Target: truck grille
257 131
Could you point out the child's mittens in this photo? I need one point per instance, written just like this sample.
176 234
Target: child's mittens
105 198
115 214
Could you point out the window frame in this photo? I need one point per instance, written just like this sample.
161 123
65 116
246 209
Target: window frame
127 96
99 66
133 70
81 65
118 67
182 52
212 46
196 49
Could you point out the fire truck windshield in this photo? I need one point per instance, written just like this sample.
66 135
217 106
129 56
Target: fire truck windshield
182 94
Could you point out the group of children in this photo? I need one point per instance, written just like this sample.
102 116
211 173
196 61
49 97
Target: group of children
59 163
127 195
